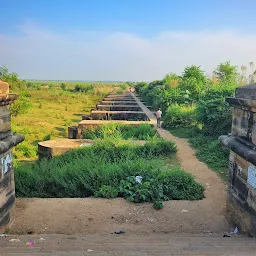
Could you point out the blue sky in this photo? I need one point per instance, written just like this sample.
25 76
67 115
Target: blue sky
123 40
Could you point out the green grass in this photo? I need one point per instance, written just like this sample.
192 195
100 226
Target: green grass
51 112
208 149
121 131
108 169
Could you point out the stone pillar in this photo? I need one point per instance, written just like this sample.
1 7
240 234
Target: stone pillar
7 141
241 201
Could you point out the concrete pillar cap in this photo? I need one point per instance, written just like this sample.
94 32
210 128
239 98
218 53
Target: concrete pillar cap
4 88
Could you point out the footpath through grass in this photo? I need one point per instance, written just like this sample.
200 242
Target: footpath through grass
208 149
108 169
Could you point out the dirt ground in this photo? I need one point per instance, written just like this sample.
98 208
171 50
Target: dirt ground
91 215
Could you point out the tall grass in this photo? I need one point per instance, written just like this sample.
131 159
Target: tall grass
105 169
122 131
51 112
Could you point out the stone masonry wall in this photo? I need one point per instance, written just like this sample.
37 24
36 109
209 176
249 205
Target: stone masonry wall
7 141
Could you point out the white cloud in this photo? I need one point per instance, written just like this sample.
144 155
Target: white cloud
81 55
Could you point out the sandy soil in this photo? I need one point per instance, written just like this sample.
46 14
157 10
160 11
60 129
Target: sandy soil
90 215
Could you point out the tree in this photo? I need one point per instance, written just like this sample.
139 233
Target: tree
63 86
226 73
194 72
193 82
140 86
171 80
21 105
12 79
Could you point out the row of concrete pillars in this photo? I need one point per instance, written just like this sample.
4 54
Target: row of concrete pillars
114 107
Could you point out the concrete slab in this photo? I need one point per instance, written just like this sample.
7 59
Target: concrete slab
119 99
119 115
119 107
150 115
110 102
56 147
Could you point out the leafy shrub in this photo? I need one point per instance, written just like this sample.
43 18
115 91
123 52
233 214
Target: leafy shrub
84 88
179 116
63 86
107 192
179 185
213 112
134 191
171 185
20 106
158 204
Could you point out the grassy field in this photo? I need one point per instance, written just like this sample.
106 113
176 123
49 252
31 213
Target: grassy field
50 113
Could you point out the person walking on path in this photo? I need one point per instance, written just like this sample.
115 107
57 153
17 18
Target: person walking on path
158 117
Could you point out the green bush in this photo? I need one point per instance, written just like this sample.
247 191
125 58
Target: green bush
179 185
107 192
171 185
158 204
179 116
20 106
84 88
213 112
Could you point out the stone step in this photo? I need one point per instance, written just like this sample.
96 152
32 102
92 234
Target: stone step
107 102
119 107
118 115
132 244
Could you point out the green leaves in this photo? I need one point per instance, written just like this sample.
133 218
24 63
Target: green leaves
213 112
179 116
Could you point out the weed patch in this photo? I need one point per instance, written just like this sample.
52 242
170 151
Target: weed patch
108 169
117 130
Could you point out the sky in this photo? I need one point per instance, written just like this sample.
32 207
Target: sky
123 40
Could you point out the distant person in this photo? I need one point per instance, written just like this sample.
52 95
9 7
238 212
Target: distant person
158 117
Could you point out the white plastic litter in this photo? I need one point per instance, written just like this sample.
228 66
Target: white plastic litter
14 240
236 230
138 179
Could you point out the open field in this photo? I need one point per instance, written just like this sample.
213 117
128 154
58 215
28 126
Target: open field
50 113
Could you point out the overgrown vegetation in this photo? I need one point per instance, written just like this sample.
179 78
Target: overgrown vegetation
108 169
120 131
194 106
45 109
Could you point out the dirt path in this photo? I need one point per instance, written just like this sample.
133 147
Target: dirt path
215 188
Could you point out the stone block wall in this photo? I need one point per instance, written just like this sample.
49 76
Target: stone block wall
7 141
241 201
